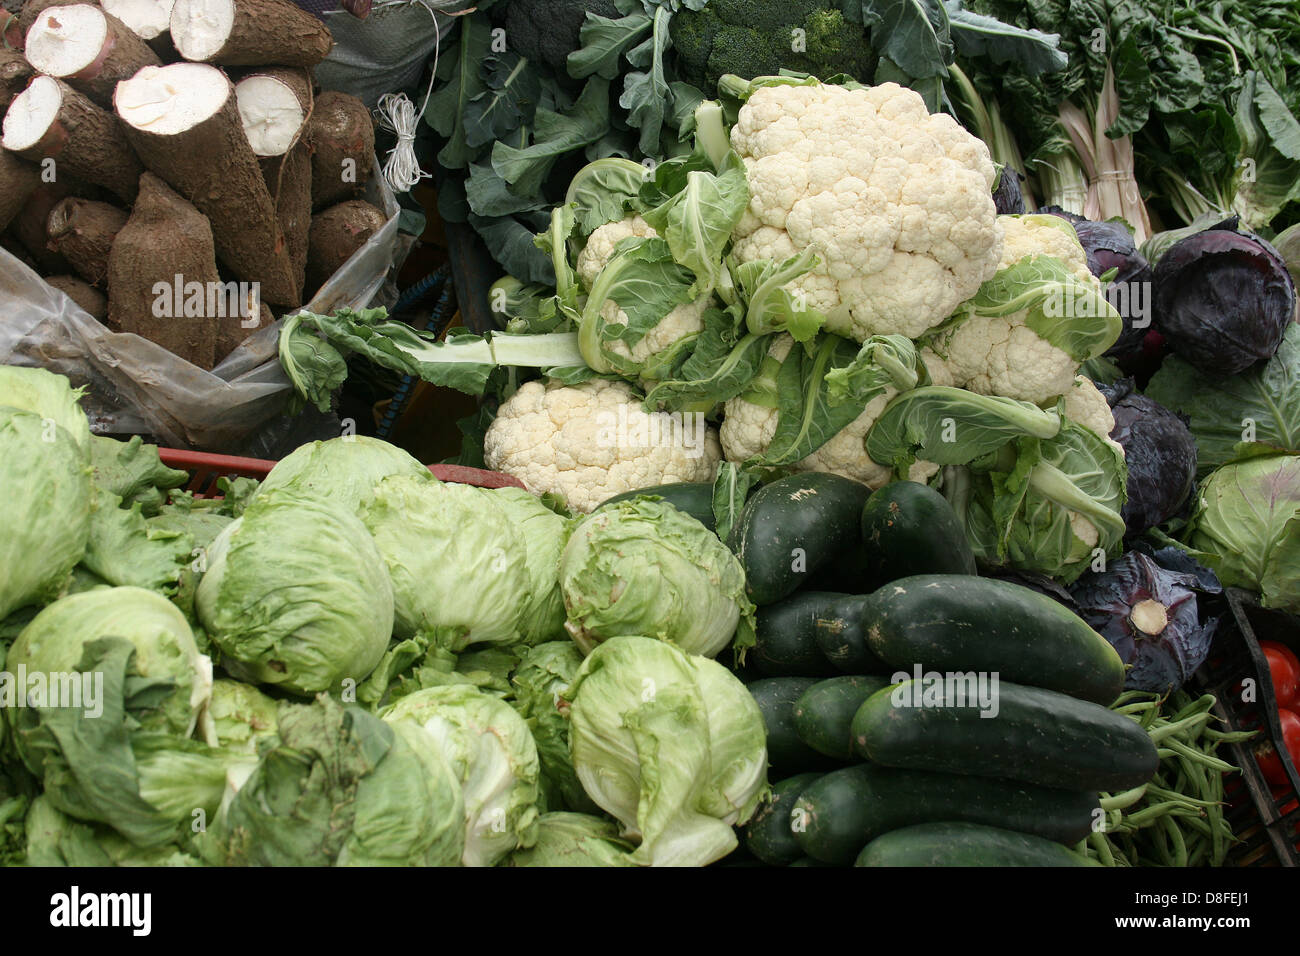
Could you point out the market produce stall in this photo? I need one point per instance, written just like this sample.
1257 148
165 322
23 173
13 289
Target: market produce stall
885 450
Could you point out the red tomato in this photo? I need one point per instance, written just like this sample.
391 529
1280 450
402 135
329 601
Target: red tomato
1266 755
1284 667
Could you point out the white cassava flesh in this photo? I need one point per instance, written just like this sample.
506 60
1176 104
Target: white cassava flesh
200 28
31 114
271 112
65 40
172 99
148 19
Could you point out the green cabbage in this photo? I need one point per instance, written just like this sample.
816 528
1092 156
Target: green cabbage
238 716
49 396
56 839
544 534
645 568
44 511
342 471
672 745
459 570
1247 526
543 674
574 839
339 787
296 595
492 753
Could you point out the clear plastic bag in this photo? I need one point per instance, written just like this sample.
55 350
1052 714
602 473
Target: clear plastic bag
137 387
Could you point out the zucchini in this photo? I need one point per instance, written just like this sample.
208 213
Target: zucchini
786 752
840 813
1036 736
823 714
768 835
693 497
964 844
909 528
794 526
954 622
813 634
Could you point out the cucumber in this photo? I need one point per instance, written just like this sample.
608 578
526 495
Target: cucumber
840 813
909 528
768 835
964 844
823 714
786 752
693 497
1037 736
794 526
813 634
954 622
809 861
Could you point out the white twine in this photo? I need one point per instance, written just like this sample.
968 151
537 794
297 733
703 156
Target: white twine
396 113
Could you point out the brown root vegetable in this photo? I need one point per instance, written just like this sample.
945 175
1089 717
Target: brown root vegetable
51 120
273 105
18 179
90 299
341 135
15 72
249 33
147 19
82 231
184 125
288 179
232 330
162 275
336 234
33 219
89 48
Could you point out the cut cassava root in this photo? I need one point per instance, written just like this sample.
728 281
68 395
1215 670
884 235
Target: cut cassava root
273 105
164 247
336 234
148 19
341 135
51 120
82 231
184 125
89 48
248 33
15 72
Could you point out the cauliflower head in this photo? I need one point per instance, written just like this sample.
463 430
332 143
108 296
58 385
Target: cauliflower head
896 202
592 441
1000 354
1086 406
747 430
683 321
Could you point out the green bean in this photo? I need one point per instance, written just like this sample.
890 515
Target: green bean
1178 728
1120 801
1199 756
1178 797
1099 843
1176 838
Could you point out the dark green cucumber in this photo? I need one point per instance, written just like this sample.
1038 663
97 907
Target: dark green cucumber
786 751
909 528
955 622
768 835
813 634
838 814
809 861
823 714
693 497
794 526
964 844
1033 735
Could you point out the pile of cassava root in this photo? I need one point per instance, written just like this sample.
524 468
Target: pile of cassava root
170 165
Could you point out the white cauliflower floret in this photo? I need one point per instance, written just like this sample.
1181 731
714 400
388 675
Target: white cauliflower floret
1086 406
896 202
1001 355
747 430
600 245
592 441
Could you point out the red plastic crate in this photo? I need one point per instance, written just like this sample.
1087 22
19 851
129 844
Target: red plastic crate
205 469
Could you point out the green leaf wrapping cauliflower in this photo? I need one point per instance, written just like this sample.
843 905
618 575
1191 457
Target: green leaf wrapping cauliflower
651 355
897 203
750 425
1030 327
590 442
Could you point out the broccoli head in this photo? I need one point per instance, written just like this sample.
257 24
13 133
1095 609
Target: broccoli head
547 31
758 37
